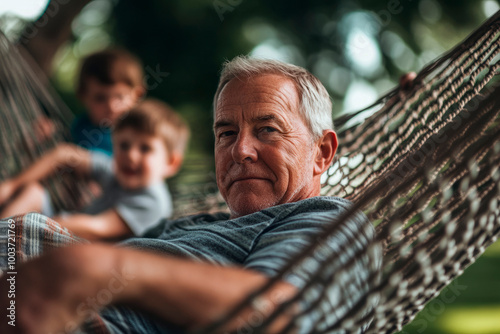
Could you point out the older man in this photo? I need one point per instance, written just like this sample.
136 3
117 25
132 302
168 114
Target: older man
273 140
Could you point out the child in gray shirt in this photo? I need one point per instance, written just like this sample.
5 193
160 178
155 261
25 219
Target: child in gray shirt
148 146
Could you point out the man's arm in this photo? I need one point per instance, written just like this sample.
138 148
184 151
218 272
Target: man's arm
64 155
105 226
53 288
193 294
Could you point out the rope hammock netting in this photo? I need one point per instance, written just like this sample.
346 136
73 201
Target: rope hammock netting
424 168
25 99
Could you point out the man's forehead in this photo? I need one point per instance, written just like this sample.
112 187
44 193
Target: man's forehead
262 82
254 119
261 96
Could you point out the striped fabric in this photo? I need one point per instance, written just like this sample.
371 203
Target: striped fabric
33 235
263 241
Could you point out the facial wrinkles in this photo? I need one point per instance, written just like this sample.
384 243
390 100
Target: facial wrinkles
282 99
287 138
286 156
256 169
244 117
305 172
298 158
296 167
260 92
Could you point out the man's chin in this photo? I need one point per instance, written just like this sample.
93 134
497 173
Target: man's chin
243 200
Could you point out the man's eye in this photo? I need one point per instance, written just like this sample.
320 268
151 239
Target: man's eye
226 133
268 129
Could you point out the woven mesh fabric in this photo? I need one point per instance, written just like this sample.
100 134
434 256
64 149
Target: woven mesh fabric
424 167
25 99
425 170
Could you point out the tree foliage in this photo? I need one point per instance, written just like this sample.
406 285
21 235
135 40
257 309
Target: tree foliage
357 48
191 38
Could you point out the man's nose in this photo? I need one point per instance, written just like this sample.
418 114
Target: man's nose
245 148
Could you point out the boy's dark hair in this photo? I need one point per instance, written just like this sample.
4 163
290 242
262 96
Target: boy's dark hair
156 118
110 67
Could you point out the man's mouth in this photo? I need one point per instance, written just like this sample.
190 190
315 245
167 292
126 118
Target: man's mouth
247 179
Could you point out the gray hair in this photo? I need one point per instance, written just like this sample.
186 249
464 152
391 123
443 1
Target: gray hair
315 103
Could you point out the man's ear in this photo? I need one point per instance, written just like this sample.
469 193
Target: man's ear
174 163
326 147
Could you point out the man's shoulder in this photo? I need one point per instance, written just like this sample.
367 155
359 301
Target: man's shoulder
312 206
311 211
325 203
320 212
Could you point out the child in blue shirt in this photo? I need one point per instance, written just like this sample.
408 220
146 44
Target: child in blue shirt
109 84
148 144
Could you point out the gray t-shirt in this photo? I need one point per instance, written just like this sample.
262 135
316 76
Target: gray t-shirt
140 209
265 241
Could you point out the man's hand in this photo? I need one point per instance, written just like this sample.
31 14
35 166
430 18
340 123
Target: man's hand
60 290
52 292
407 81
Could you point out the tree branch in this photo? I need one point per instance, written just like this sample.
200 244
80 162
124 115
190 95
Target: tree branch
43 37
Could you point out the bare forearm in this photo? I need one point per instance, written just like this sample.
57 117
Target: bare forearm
186 293
194 294
64 155
103 227
80 225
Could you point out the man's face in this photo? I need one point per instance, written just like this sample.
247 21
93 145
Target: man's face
140 159
106 103
263 148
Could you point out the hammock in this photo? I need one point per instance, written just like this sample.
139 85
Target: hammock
424 167
25 99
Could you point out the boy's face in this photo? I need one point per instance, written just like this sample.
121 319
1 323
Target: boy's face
140 159
105 103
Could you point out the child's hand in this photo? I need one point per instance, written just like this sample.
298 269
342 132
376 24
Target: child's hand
7 189
44 128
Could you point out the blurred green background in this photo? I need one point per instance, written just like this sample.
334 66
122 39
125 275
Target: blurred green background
357 48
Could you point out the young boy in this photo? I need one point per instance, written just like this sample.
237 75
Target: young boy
110 82
148 146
